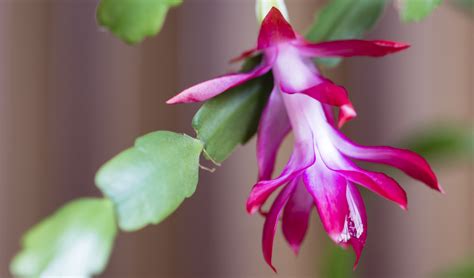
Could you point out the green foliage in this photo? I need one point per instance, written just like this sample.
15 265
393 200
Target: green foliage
74 241
344 19
441 142
133 20
465 5
465 270
337 262
416 10
231 118
150 180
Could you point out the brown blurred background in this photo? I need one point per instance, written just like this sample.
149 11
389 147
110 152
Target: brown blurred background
72 96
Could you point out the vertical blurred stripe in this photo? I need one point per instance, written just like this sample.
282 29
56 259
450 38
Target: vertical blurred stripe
5 100
25 163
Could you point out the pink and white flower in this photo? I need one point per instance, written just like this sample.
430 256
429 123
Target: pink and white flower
320 172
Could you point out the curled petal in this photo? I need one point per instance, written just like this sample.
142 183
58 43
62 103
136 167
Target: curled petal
357 220
273 127
274 29
340 207
296 215
329 93
269 228
346 113
407 161
211 88
301 158
324 92
349 48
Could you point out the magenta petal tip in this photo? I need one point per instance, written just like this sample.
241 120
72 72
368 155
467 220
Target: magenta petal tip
274 29
171 101
394 46
251 209
295 248
404 207
355 265
347 113
401 45
436 186
404 204
441 189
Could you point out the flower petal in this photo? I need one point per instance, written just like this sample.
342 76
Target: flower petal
377 182
296 215
211 88
329 113
273 127
346 113
269 228
328 191
349 48
301 158
324 92
407 161
357 220
274 29
294 72
334 160
340 207
327 92
244 55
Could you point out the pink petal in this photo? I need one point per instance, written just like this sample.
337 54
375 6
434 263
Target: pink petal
244 55
269 228
329 113
301 158
273 127
346 113
357 220
327 92
407 161
348 48
296 215
340 207
293 72
211 88
377 182
324 92
328 191
334 160
274 29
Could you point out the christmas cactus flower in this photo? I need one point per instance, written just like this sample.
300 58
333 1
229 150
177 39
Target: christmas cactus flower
320 172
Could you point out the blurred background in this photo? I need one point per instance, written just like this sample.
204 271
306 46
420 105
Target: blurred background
72 96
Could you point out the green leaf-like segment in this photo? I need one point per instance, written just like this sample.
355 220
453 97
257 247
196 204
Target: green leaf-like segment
150 180
345 19
464 270
74 242
231 118
337 262
133 20
465 5
442 142
416 10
